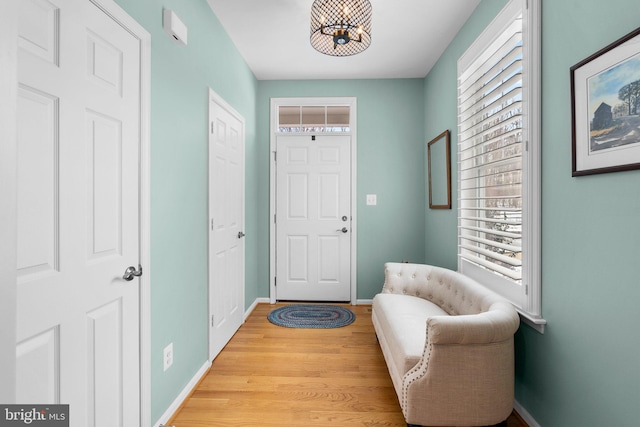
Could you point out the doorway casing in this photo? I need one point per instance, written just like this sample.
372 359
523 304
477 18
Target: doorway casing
351 102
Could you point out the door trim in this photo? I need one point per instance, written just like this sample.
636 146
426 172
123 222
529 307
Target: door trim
8 175
8 194
275 103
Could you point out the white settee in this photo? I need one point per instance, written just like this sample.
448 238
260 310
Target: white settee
448 345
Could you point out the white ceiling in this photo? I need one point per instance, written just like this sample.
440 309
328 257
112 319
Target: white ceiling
408 37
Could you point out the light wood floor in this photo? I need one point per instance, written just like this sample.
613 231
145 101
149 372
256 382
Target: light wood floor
273 376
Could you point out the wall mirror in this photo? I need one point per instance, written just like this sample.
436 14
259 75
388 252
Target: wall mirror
439 167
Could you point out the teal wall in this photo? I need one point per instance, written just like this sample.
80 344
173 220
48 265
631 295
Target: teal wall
180 77
441 113
583 371
390 163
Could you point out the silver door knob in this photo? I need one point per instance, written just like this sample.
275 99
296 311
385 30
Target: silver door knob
131 272
343 229
240 234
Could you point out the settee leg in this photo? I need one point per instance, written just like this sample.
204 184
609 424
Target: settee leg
413 425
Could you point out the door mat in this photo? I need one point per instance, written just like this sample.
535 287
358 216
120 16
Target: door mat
311 316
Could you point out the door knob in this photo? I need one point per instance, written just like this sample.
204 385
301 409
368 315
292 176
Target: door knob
343 229
240 234
131 272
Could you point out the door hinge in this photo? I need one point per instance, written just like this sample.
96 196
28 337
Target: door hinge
274 218
211 128
212 224
212 320
526 289
526 146
275 156
275 281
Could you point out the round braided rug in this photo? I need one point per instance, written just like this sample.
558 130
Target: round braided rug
311 316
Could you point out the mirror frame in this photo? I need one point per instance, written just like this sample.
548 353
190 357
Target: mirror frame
445 138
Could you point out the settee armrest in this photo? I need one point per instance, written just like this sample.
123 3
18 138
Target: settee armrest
497 324
468 362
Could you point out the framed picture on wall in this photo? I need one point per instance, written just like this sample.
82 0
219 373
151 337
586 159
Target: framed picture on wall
439 169
605 109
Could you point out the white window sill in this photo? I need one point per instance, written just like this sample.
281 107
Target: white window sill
536 323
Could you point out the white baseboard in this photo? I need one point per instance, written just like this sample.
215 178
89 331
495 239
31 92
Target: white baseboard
526 416
364 302
183 395
253 306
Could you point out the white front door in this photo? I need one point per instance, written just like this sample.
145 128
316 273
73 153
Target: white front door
78 131
226 223
313 223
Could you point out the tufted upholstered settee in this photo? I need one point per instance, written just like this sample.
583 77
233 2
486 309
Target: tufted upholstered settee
448 345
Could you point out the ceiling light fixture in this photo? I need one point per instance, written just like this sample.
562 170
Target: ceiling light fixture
340 27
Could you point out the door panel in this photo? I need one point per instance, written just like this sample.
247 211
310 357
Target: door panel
329 196
312 198
226 208
329 250
78 191
298 257
37 365
104 351
297 196
104 175
38 216
38 29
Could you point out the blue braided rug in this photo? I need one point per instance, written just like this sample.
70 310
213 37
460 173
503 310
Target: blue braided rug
311 316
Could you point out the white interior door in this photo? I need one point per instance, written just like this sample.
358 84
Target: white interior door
226 223
78 132
313 223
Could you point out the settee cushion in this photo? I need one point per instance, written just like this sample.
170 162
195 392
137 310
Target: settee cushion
403 322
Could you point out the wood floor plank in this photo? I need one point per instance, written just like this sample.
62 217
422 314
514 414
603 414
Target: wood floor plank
273 376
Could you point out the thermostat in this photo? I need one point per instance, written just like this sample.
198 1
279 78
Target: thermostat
175 27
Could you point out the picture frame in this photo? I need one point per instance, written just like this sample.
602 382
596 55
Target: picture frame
605 109
439 171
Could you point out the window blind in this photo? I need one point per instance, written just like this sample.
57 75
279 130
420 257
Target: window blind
490 144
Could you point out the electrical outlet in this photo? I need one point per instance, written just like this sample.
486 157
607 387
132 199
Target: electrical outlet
168 356
372 199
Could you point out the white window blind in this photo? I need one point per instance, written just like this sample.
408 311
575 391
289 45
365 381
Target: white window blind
490 156
499 158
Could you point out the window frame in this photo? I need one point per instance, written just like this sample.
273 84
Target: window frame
525 296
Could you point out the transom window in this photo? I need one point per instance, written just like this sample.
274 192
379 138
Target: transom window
305 118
